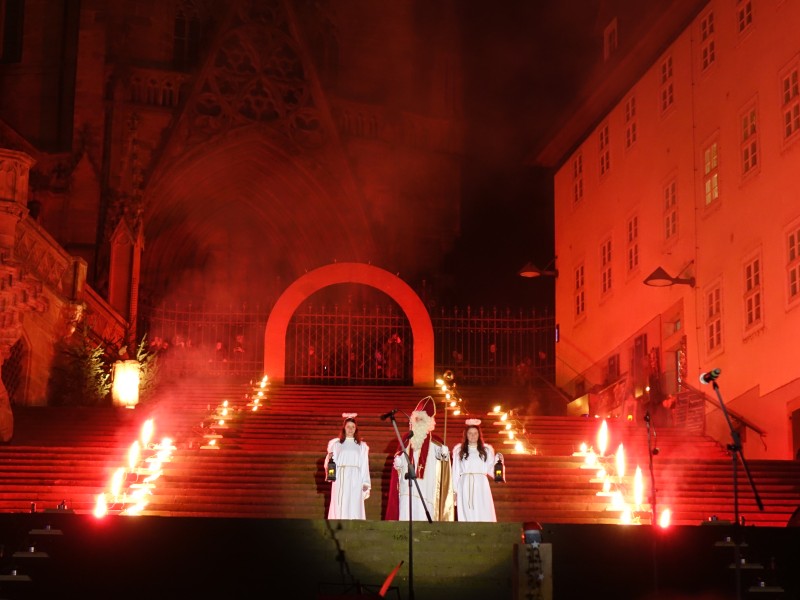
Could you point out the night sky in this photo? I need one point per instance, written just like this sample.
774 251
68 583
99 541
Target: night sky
524 63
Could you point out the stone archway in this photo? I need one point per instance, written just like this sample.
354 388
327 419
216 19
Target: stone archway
393 286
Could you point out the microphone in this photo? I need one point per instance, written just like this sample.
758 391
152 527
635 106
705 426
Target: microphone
389 414
710 376
647 417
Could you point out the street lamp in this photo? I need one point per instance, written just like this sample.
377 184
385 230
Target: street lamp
660 278
530 270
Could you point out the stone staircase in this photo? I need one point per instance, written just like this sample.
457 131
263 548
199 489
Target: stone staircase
269 462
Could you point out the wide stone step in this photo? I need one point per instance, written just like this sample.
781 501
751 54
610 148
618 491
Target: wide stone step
270 461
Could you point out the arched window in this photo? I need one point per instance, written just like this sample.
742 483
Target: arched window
186 39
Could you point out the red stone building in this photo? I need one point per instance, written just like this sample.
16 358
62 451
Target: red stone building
218 150
686 158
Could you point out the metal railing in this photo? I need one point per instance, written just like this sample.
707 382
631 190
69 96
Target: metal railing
347 344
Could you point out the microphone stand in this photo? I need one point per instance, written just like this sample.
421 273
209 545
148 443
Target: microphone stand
736 449
651 452
411 475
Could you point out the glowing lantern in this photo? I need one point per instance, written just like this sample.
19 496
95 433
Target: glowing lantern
125 388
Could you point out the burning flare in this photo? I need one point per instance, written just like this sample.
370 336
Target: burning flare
602 438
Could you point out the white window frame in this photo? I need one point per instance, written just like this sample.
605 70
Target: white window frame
632 239
580 291
749 146
753 293
708 49
744 15
606 272
610 39
711 160
667 87
577 179
793 264
712 326
604 156
790 101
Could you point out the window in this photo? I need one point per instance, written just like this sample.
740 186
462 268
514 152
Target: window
630 121
612 368
793 263
667 85
707 46
610 39
577 179
749 141
713 324
670 210
11 23
791 103
605 154
744 14
605 267
633 244
580 292
752 294
186 39
711 173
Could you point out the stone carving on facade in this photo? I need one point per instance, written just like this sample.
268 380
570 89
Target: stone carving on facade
72 313
125 203
256 76
19 293
45 260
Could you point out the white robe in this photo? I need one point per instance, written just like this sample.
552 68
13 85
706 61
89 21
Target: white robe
429 484
474 500
352 474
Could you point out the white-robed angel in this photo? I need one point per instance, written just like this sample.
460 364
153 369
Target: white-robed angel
352 485
473 467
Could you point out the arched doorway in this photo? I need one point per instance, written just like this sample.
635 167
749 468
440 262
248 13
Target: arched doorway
313 281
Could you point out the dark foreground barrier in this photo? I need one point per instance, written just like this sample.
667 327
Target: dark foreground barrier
67 555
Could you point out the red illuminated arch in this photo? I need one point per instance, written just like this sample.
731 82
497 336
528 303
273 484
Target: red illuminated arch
396 288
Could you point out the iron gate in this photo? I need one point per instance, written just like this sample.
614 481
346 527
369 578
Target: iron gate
349 344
